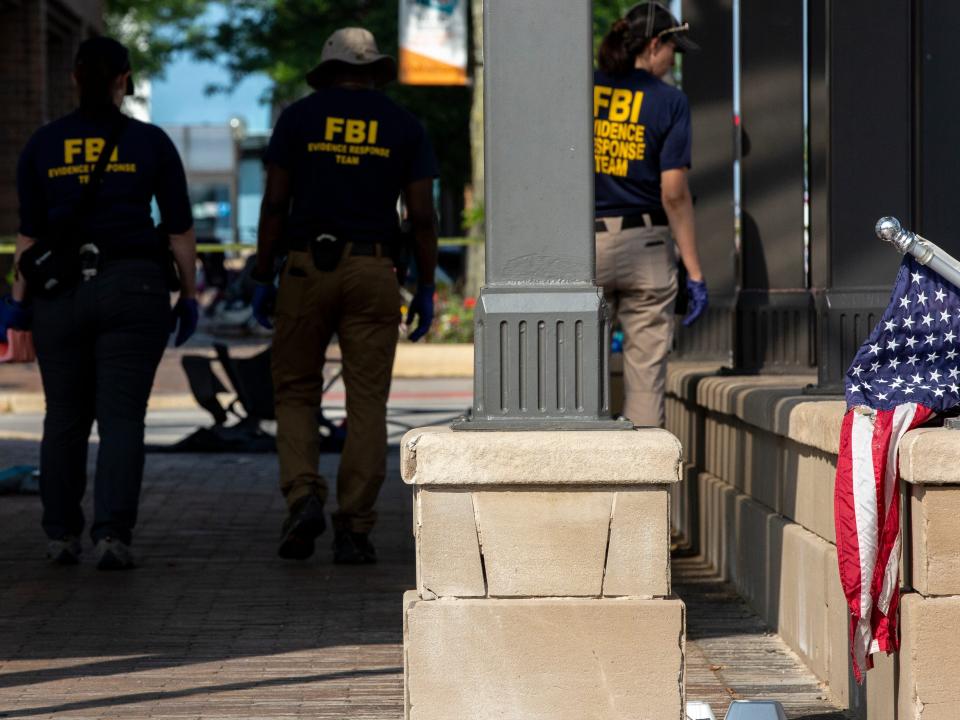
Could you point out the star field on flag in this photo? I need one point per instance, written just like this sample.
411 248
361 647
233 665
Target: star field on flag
913 355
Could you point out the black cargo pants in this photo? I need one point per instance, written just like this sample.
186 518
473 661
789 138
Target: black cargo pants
98 347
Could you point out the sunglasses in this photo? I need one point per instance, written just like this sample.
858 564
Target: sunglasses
670 31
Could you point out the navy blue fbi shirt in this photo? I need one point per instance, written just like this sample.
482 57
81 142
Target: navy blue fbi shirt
641 127
349 153
58 160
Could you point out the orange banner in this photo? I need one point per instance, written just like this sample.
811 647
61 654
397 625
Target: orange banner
417 69
433 42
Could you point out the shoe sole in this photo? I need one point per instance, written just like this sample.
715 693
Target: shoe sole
298 543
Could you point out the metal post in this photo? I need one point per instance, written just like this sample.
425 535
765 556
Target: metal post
542 326
939 260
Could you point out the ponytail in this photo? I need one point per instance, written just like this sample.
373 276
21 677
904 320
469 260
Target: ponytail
612 57
622 44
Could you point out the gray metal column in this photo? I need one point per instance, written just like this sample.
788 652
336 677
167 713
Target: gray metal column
542 327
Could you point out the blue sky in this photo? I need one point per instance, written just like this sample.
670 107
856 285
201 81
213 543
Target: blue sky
179 98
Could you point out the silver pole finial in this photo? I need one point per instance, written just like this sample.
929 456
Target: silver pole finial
888 228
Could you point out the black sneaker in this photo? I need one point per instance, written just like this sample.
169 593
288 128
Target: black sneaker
302 525
113 555
352 548
65 551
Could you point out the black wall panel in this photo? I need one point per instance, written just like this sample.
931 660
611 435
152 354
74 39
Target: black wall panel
772 166
870 165
938 109
708 83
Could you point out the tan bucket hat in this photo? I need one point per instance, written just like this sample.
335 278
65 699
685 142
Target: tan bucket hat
352 46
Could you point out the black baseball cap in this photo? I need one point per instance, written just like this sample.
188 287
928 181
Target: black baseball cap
105 56
654 20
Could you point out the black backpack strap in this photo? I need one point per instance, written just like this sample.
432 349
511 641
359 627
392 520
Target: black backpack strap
88 195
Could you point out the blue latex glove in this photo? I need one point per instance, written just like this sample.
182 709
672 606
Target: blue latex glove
264 300
421 307
185 315
698 301
14 315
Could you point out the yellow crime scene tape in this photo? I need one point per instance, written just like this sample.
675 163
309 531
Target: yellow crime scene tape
7 245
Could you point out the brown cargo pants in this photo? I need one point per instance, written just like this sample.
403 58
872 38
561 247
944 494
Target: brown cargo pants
360 303
637 269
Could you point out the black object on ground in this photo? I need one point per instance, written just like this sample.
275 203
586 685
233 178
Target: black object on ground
252 385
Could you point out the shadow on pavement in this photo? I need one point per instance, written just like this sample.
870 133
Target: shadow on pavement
211 610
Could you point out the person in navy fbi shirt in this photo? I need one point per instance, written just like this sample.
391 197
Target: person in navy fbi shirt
644 210
100 336
337 163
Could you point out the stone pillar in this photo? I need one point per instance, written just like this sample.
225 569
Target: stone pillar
543 576
543 564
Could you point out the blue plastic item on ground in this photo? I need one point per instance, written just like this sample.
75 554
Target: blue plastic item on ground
20 479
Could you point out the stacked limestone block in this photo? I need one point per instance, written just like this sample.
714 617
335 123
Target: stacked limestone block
758 498
928 685
543 576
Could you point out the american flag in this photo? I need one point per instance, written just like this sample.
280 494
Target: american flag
908 370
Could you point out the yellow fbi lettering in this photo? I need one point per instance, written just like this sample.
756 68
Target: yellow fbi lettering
349 140
85 149
623 105
618 139
80 155
353 132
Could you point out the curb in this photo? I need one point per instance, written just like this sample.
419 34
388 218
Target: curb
454 360
21 403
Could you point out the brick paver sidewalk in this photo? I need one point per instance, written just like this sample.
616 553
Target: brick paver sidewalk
213 625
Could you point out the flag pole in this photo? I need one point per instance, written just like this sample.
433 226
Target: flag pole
927 253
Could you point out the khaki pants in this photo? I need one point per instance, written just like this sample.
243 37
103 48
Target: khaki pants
638 272
360 303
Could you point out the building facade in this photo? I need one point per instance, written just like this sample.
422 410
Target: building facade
38 41
812 120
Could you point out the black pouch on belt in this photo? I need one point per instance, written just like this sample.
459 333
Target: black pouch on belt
326 250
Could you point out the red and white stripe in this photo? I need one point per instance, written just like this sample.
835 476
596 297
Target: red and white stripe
867 517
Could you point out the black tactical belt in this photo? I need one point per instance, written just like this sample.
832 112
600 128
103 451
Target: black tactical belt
650 218
367 249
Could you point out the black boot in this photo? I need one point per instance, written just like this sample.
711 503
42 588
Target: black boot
302 525
351 548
